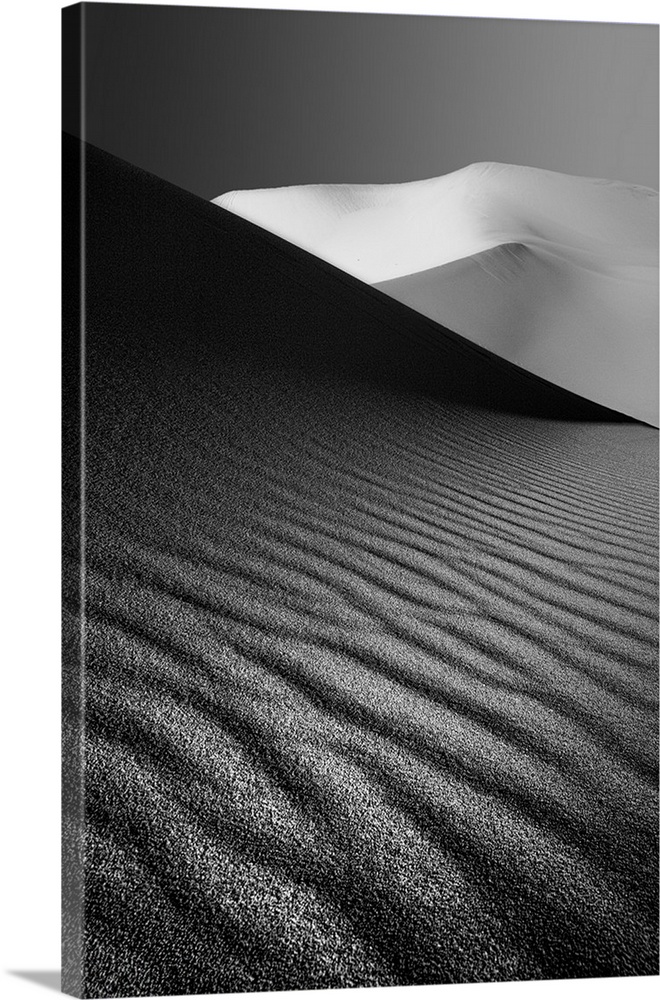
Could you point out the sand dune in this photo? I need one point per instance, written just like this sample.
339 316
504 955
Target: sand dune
370 633
555 273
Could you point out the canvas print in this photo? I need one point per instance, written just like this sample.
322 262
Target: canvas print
360 339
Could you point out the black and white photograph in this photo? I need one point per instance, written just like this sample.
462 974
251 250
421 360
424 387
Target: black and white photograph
359 395
360 500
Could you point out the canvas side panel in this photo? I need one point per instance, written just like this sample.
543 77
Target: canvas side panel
72 513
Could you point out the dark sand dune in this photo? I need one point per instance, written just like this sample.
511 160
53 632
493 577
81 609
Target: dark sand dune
370 680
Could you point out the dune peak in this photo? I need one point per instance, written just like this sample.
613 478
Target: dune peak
555 273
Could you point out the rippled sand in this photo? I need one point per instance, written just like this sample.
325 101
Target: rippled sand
370 680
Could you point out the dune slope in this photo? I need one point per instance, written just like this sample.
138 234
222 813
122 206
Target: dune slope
370 632
555 273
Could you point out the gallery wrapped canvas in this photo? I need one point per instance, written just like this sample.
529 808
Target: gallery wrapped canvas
360 330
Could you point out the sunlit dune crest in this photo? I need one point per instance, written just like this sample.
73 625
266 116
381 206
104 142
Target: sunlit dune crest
557 274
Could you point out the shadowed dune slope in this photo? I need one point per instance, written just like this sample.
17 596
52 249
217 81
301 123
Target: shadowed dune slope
555 273
529 305
370 631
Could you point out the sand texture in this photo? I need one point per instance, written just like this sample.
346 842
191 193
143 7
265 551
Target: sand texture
369 692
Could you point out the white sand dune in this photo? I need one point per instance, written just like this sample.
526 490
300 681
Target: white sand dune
557 274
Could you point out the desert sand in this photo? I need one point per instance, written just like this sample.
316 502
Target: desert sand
555 273
369 621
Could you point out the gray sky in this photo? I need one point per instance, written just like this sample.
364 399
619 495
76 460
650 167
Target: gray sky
214 99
